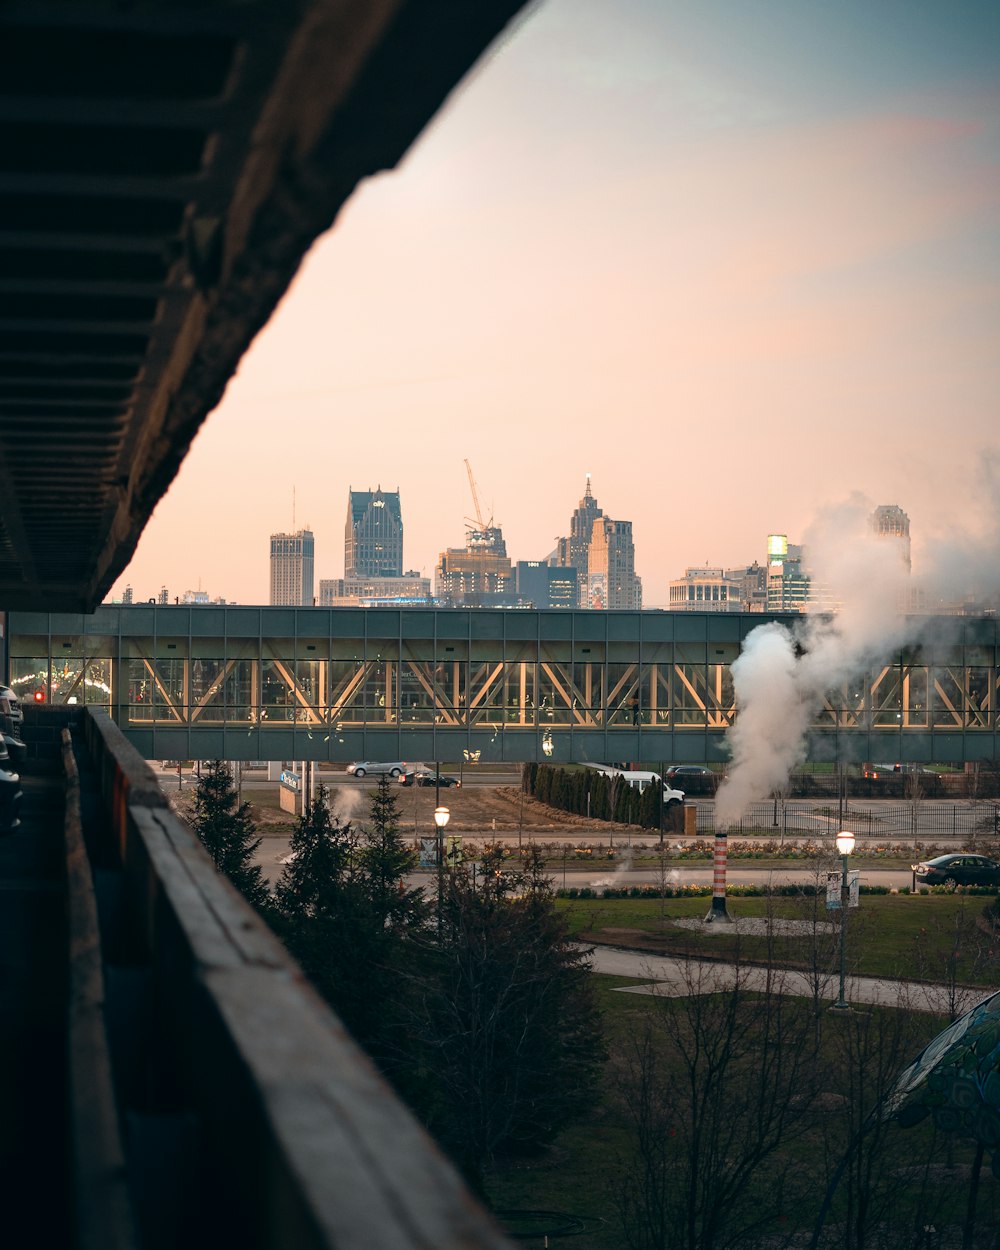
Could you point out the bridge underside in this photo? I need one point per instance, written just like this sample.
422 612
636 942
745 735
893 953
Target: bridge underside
340 684
165 167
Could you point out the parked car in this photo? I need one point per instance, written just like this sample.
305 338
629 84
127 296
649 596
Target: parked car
427 777
692 778
11 713
365 768
10 793
874 771
962 868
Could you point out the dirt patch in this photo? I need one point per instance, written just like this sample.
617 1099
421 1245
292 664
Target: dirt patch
482 810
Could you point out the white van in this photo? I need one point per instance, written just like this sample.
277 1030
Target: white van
639 780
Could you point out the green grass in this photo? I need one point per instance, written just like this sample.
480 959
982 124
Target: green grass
893 935
575 1176
578 1174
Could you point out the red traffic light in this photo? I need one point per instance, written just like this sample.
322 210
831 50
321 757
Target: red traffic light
40 694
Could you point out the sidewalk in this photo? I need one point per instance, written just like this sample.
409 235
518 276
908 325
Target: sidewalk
664 974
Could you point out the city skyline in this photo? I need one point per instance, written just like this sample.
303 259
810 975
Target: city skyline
739 266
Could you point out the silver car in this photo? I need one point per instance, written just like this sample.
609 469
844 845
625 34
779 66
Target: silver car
364 768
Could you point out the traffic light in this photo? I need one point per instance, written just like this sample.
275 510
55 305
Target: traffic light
39 694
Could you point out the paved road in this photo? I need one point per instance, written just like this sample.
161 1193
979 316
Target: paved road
701 874
674 977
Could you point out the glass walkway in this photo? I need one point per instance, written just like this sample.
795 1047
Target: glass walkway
424 683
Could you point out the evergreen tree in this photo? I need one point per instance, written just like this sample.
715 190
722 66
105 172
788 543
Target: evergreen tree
346 914
506 1020
320 862
385 860
228 833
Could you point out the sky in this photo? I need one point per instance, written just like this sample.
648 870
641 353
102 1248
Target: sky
739 260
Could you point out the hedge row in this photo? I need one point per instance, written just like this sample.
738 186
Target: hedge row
754 891
587 792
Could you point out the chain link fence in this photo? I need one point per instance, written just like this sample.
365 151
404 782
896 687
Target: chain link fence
925 822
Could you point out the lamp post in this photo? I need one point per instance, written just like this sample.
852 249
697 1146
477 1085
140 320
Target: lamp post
441 817
845 844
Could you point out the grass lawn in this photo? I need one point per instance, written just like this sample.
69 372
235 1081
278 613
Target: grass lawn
570 1186
894 935
575 1176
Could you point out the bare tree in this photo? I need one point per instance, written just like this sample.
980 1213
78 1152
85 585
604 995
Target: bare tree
712 1088
873 1172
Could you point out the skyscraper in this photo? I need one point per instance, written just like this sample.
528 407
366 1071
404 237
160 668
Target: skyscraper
373 536
788 584
611 579
581 530
292 569
890 522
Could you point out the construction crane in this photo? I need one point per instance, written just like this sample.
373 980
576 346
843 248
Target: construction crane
475 501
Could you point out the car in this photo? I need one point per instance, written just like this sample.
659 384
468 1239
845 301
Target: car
694 778
427 777
960 868
874 771
375 768
10 793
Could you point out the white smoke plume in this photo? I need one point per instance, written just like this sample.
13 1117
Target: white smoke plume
783 674
345 804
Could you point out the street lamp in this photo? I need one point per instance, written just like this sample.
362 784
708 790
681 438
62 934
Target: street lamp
441 817
845 844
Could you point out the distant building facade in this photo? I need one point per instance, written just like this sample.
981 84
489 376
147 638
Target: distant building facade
611 579
703 590
602 553
292 560
373 536
720 590
890 523
541 584
576 550
478 574
374 592
788 585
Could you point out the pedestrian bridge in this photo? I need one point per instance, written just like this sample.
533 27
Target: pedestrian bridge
512 685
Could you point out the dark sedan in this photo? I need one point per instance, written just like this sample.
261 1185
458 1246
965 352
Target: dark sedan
427 777
691 778
958 869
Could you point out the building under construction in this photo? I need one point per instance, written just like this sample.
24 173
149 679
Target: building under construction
478 575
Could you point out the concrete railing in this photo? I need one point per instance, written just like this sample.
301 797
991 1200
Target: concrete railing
246 1114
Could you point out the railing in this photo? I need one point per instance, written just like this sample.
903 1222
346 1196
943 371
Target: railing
928 824
243 1114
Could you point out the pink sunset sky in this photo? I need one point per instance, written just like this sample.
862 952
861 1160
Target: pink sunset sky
736 261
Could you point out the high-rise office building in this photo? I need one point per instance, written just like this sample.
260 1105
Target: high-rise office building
788 585
576 551
541 584
292 557
890 522
373 536
611 579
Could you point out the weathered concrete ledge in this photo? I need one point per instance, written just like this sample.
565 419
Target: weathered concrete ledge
248 1114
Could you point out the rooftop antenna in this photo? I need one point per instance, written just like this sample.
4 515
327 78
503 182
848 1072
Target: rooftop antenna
293 509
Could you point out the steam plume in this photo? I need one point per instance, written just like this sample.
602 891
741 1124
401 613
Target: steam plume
783 673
